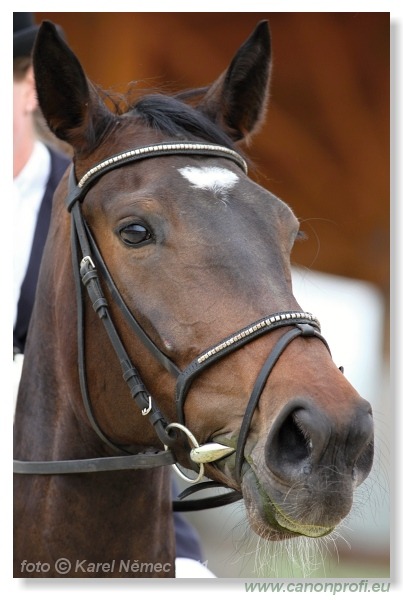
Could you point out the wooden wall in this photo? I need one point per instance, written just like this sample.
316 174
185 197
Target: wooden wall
325 146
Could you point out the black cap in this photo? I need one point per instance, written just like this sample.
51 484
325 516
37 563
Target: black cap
24 33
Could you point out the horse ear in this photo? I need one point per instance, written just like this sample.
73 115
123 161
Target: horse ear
237 99
68 101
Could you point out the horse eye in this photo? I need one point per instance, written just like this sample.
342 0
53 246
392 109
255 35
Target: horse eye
135 234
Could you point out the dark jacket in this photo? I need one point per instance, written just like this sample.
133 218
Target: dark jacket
59 164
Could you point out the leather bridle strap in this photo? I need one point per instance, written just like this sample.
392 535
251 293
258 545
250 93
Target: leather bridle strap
202 503
89 277
236 341
120 303
144 460
300 329
302 323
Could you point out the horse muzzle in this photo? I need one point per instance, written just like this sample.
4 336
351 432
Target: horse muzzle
302 479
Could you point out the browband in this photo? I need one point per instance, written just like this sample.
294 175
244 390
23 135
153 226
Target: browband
78 190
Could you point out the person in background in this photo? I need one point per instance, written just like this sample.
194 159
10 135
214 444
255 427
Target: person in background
38 168
38 165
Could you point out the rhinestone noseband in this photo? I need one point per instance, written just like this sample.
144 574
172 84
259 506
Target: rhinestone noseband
87 262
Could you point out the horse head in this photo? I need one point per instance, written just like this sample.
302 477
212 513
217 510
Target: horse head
200 254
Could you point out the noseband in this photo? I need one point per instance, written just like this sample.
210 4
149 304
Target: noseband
87 262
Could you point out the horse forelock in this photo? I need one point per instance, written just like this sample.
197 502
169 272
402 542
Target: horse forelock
170 115
173 115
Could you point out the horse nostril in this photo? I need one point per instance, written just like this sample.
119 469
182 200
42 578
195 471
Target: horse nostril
294 444
290 446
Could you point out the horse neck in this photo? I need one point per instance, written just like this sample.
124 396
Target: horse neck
48 385
125 512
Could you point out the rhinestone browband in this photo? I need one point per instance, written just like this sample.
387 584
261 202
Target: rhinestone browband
259 326
161 149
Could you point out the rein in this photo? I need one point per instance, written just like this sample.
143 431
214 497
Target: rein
87 261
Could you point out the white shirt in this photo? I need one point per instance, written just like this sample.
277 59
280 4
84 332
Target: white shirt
28 190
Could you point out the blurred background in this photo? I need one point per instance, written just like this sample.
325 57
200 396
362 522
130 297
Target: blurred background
324 149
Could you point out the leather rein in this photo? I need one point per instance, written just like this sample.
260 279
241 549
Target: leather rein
87 264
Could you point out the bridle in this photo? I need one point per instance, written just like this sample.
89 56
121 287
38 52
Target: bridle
87 264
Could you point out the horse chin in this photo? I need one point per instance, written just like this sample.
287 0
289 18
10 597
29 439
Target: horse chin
268 519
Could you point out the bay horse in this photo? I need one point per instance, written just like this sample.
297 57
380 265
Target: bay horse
188 348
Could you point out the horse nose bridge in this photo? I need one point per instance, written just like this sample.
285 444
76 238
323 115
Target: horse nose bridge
305 438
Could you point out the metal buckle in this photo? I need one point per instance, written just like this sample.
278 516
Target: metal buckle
87 261
145 411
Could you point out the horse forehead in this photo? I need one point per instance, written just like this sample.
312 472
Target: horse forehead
213 178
